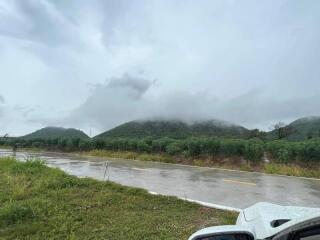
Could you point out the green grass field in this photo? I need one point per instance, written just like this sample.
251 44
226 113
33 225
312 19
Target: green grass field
38 202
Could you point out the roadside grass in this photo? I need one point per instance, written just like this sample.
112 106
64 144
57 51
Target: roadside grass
131 155
238 164
38 202
291 170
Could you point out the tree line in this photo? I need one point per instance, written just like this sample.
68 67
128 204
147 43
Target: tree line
253 150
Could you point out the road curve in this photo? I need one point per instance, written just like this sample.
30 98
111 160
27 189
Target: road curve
234 189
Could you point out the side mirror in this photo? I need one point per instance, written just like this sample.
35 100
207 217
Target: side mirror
231 232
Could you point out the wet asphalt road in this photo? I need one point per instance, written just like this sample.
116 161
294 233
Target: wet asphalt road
228 188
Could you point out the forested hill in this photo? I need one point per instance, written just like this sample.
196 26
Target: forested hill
301 129
304 128
174 129
57 132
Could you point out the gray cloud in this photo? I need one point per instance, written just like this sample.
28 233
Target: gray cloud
1 103
245 62
126 98
36 21
134 86
260 109
2 99
117 100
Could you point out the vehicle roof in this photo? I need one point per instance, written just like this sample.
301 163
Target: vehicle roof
260 216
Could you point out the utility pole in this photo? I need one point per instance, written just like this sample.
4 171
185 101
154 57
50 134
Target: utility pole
106 170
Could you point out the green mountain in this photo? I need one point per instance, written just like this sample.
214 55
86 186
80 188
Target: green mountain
301 129
174 129
57 132
305 128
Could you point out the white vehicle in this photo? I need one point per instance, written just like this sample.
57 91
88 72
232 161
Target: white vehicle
268 221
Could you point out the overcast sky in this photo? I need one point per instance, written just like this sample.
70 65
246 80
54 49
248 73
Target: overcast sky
95 64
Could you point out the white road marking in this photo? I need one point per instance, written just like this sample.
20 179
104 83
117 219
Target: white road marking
206 204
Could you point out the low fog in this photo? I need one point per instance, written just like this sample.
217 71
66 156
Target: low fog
124 99
96 65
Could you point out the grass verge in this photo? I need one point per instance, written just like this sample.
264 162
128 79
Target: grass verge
291 170
227 163
38 202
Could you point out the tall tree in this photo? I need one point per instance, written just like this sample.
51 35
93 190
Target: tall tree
281 129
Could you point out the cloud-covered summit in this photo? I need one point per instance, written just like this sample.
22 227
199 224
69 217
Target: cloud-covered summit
128 98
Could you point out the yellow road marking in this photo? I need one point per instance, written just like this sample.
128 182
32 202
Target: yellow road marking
239 182
140 169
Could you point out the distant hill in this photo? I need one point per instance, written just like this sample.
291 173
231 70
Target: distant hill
57 132
174 129
301 129
305 128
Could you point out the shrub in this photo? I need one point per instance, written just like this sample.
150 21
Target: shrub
283 155
254 150
85 145
211 146
232 147
143 146
98 143
173 149
194 147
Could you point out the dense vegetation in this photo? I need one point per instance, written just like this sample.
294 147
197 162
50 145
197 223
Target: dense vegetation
280 151
175 129
57 132
301 129
38 202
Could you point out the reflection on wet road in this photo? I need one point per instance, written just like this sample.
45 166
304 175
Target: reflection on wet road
229 188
